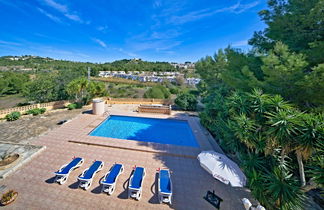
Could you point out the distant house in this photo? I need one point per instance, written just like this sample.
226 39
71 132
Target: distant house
193 81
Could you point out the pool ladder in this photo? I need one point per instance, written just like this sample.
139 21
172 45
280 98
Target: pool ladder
105 114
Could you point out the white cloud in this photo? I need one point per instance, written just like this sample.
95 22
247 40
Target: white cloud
60 7
50 16
9 43
196 15
73 17
100 42
102 28
243 7
240 43
65 11
130 54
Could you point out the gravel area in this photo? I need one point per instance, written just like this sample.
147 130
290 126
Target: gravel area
28 127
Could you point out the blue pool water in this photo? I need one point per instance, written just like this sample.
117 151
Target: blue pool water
147 129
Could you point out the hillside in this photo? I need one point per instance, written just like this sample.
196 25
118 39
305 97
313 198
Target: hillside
30 63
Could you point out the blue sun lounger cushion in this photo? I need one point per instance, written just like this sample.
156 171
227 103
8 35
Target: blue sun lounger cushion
111 177
88 174
113 174
165 181
137 178
65 170
165 186
135 183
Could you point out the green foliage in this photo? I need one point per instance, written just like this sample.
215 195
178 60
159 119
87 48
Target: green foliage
45 64
83 90
279 72
313 86
157 91
297 24
71 106
42 89
283 71
282 188
76 105
13 116
36 111
12 82
272 138
256 126
186 101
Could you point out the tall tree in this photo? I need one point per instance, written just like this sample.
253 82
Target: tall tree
297 23
283 70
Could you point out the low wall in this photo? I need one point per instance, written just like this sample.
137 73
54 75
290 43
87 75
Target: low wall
22 109
61 104
138 101
155 109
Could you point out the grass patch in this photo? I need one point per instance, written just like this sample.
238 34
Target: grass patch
10 101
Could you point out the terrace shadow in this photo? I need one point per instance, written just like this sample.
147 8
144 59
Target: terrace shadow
50 180
154 189
98 189
74 185
124 194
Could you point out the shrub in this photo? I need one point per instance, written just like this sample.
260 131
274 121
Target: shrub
174 90
42 110
71 106
186 101
34 112
13 116
76 105
157 91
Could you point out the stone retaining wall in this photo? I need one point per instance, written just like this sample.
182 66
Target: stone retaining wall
62 104
48 106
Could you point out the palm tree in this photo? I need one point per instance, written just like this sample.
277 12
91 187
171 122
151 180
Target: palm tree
259 102
283 189
277 103
316 168
311 134
77 87
244 129
283 128
238 103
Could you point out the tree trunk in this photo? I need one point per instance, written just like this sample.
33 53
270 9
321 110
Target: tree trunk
301 168
282 158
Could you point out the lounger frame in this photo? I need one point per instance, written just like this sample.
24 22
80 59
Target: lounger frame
62 178
135 193
86 183
165 197
110 188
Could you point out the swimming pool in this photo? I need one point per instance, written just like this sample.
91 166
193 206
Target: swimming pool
161 131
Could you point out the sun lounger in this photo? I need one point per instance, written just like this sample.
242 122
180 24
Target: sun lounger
135 183
165 186
63 174
87 175
109 182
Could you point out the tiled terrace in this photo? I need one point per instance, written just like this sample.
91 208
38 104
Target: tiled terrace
34 180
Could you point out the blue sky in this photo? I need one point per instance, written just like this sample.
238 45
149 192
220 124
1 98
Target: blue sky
107 30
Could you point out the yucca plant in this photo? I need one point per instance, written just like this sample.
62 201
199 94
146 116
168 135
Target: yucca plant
283 189
312 134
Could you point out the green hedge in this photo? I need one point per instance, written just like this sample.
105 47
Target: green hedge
36 111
